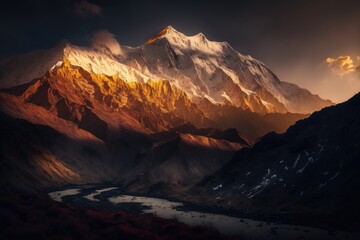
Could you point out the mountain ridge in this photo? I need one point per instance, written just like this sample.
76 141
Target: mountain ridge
200 66
190 63
91 95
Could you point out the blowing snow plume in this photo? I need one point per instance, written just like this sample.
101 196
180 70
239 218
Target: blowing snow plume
103 39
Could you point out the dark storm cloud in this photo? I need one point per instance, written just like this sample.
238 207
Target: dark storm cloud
85 8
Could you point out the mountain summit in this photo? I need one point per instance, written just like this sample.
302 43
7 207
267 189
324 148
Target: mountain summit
163 32
180 39
210 71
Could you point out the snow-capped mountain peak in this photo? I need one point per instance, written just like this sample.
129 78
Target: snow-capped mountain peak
169 30
196 43
216 72
207 71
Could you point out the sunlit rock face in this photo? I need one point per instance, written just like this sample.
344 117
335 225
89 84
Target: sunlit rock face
94 127
75 94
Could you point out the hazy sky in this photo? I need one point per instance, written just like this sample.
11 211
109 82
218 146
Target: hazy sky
315 44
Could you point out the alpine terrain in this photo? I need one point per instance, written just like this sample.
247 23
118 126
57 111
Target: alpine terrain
114 106
178 117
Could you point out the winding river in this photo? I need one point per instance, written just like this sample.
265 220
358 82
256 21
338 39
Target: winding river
227 225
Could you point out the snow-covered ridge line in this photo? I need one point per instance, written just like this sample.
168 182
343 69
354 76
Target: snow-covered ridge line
25 68
215 71
197 41
99 62
203 69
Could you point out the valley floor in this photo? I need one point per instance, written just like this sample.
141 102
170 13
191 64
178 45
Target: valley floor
115 199
36 216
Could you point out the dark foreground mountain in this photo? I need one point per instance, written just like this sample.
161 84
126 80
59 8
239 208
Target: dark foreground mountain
311 170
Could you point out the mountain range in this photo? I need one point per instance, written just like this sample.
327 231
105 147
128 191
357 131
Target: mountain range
127 111
178 115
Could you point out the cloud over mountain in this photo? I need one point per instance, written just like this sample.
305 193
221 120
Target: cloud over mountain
103 39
